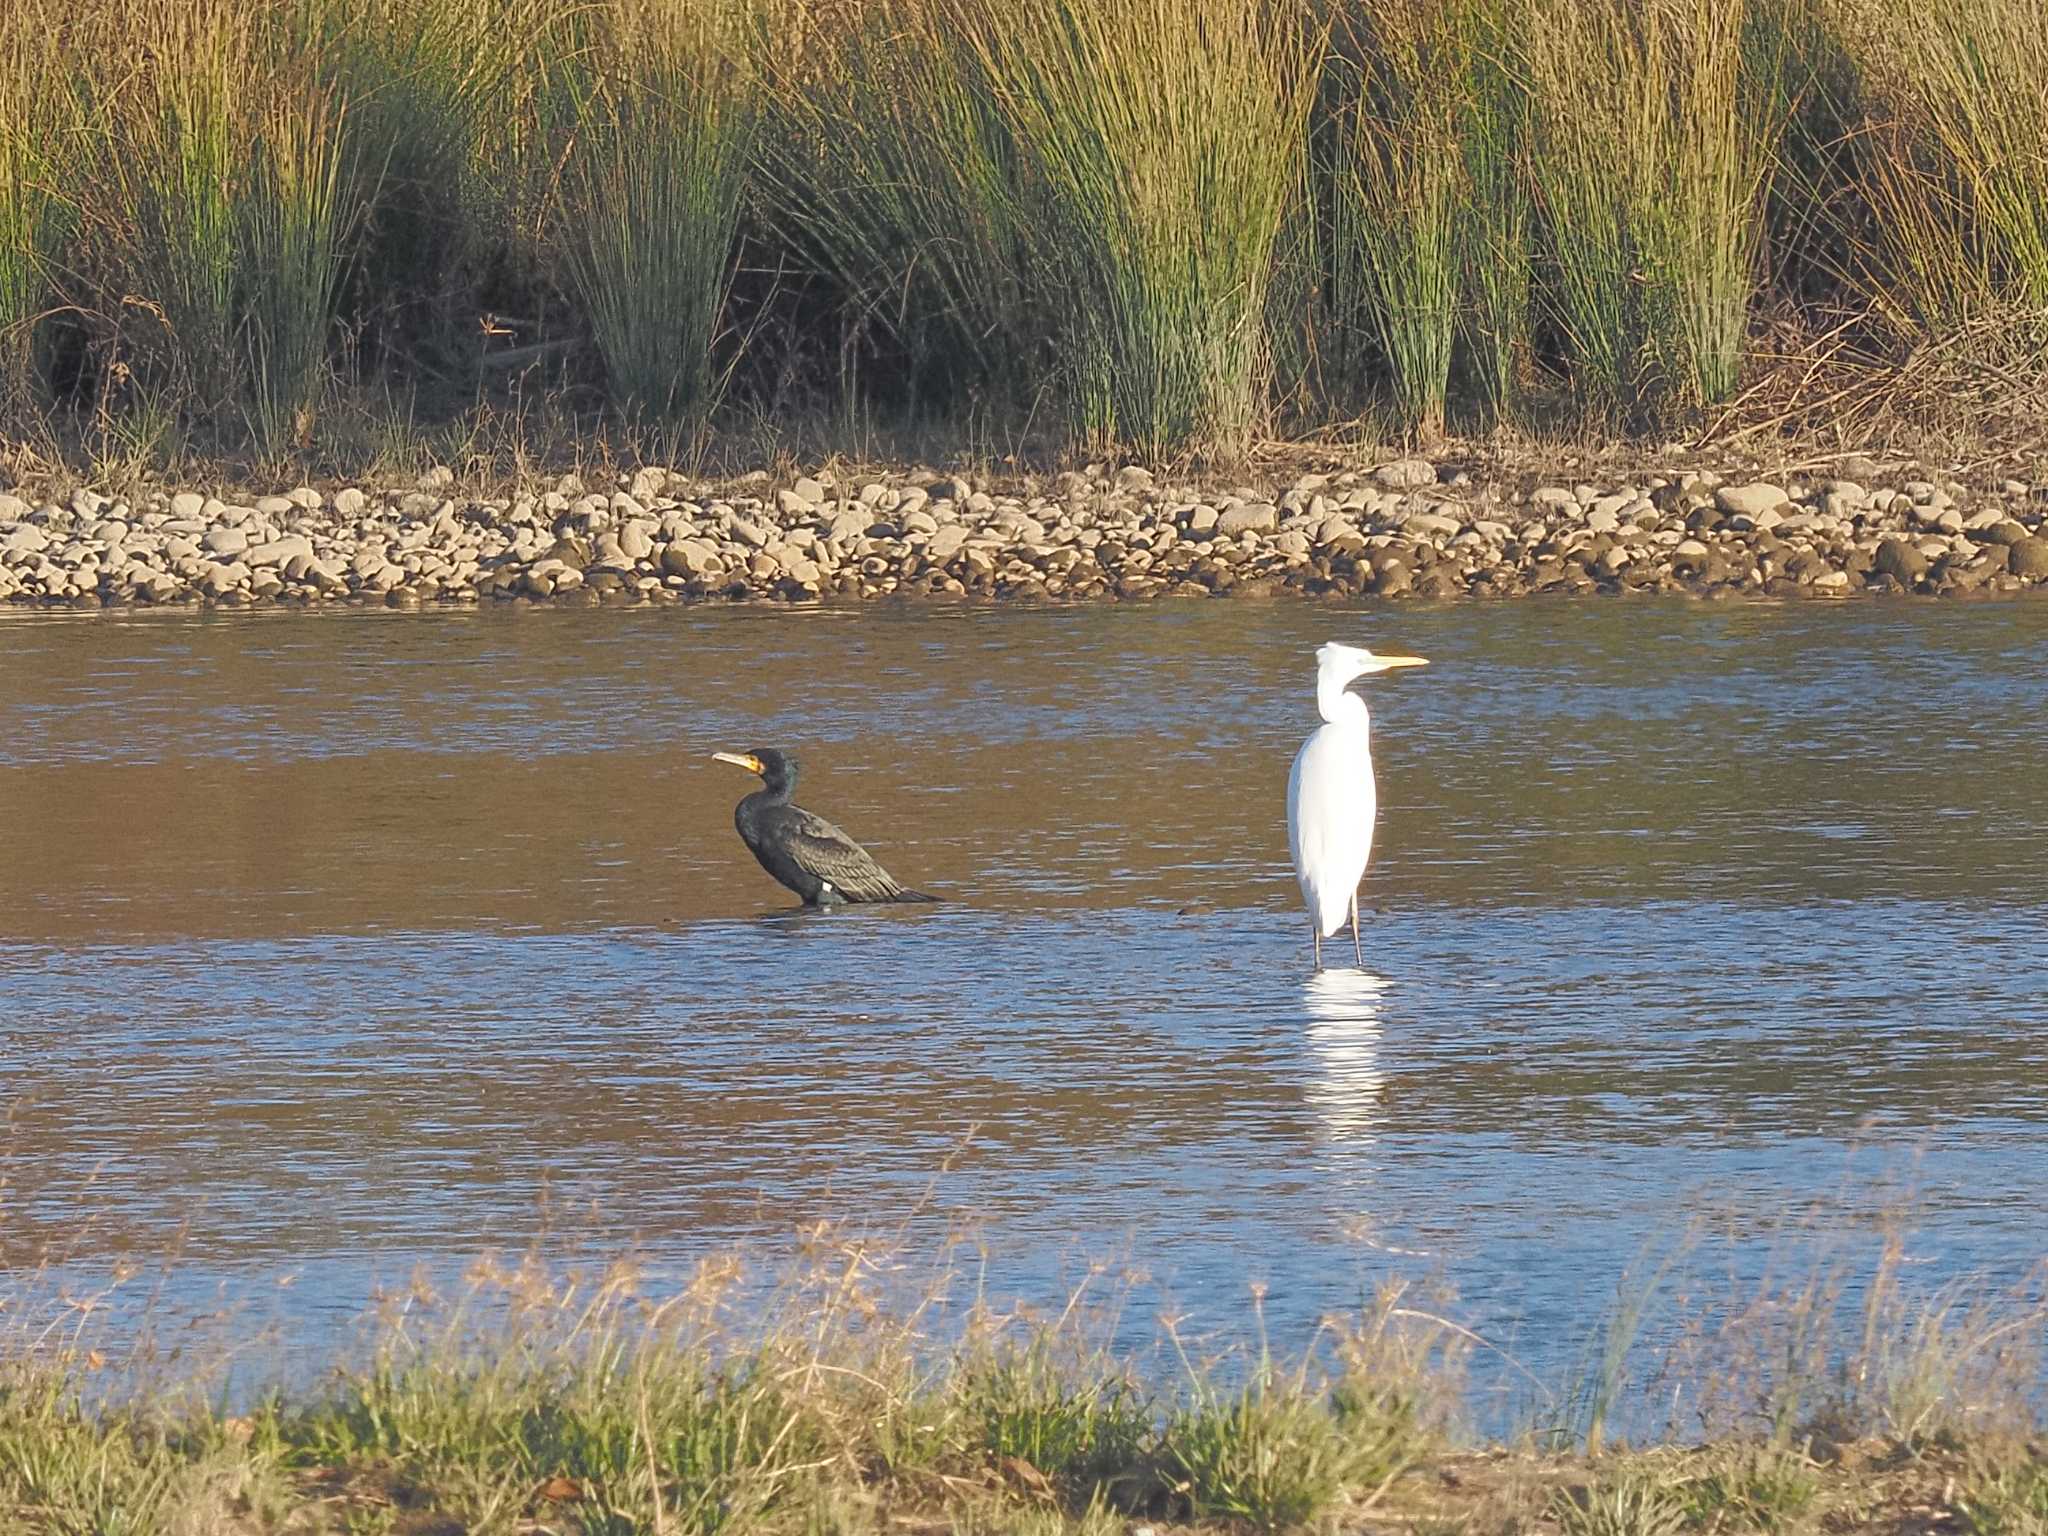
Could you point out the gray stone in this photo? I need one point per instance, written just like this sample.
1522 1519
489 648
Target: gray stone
349 502
572 552
1253 517
945 543
812 491
188 504
278 551
2029 559
1020 526
219 580
1751 500
1901 561
689 558
225 541
1432 525
636 539
1613 505
1405 474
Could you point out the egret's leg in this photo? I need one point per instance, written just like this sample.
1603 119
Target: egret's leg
1356 948
1315 930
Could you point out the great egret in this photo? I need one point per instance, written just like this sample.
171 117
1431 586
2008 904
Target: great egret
1330 797
805 852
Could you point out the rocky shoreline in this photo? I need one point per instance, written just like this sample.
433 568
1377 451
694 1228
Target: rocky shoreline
1406 528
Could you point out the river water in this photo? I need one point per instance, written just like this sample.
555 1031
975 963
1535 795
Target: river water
336 945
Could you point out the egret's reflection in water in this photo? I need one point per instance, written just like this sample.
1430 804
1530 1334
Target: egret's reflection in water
1344 1082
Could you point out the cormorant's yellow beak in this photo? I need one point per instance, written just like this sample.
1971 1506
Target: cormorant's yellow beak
739 760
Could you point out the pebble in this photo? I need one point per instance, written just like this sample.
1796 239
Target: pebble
1750 500
1398 530
1259 518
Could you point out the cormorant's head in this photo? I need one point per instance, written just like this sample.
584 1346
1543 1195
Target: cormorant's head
777 769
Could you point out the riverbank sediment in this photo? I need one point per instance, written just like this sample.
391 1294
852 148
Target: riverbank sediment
1400 528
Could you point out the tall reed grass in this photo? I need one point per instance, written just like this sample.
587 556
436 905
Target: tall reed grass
1109 214
887 169
1952 153
1400 86
1158 145
450 101
653 177
41 134
176 157
1494 239
1652 134
302 196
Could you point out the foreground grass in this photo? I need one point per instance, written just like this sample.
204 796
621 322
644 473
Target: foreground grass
839 1400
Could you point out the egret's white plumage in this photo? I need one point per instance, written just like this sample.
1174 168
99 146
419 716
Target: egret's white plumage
1331 800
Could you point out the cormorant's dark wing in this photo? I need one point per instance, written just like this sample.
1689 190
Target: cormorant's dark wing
825 851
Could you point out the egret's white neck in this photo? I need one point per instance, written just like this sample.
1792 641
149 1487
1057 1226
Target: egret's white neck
1338 705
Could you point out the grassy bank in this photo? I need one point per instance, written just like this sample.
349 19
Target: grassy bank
839 1398
323 235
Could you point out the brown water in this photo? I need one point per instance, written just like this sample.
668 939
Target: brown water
329 945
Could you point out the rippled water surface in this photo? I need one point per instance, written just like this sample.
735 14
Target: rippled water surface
334 944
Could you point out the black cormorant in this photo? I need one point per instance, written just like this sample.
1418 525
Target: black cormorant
805 852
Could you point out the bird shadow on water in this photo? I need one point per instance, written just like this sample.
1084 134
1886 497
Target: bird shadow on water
850 912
